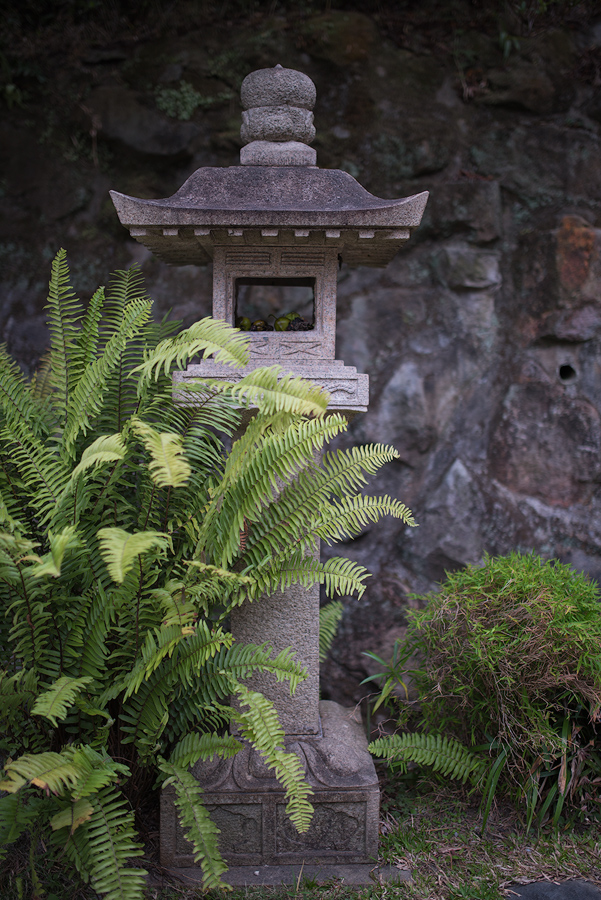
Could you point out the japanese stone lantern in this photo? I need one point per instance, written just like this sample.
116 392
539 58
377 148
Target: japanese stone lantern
277 228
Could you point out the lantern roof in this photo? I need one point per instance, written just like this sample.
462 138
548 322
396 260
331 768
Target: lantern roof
276 192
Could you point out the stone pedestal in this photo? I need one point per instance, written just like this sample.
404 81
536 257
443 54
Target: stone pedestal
247 802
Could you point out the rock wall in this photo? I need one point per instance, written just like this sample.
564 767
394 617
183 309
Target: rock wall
481 339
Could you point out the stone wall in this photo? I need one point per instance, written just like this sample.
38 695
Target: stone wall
481 339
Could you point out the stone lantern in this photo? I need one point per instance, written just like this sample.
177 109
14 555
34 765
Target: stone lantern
277 228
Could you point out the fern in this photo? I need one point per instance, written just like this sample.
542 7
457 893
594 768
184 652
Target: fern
208 336
329 619
54 702
199 829
443 754
260 726
168 466
111 844
129 529
64 314
120 550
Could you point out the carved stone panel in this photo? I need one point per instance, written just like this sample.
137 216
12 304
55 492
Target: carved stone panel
336 827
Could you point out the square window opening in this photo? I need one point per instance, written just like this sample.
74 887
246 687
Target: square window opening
275 304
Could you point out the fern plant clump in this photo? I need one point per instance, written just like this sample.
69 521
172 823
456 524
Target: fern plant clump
511 673
128 531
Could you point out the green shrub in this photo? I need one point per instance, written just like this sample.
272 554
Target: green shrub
128 532
511 665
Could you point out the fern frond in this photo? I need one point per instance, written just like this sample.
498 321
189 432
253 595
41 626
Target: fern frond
51 563
339 575
168 466
195 746
64 314
55 702
120 549
260 725
208 336
271 391
86 340
50 771
88 395
194 818
329 619
42 473
445 755
72 816
250 477
106 448
17 400
112 842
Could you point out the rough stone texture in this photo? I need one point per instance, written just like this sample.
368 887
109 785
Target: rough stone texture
270 153
277 123
462 379
277 87
286 619
120 115
247 802
247 876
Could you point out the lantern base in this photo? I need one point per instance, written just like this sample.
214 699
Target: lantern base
248 805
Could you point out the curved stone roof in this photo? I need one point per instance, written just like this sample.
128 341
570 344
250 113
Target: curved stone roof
214 201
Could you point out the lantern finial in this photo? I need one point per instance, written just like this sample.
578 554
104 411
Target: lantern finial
277 122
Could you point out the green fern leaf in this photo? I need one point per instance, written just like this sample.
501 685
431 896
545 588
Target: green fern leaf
119 549
169 466
445 755
195 746
194 818
208 336
272 391
106 448
88 394
55 702
112 842
260 725
329 619
50 771
72 816
51 563
64 314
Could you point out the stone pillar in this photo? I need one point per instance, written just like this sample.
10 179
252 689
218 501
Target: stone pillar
287 618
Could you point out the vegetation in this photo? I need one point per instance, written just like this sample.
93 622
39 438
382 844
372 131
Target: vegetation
511 676
128 532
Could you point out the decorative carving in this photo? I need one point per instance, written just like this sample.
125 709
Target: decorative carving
304 258
264 347
335 386
243 257
335 827
240 827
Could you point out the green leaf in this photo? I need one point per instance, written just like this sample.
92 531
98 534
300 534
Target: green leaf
51 563
120 549
72 816
329 619
55 702
106 448
169 466
260 725
198 827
